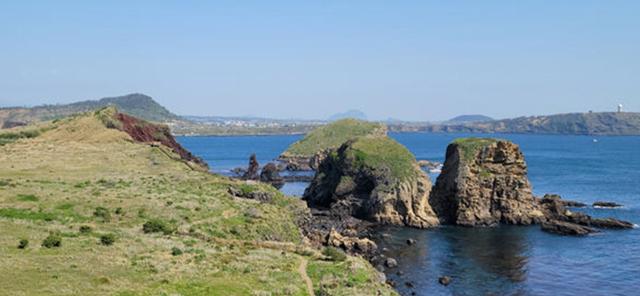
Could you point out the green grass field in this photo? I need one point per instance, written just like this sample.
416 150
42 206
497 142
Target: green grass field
94 189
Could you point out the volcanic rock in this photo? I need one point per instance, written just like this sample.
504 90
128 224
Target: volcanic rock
252 171
606 204
374 179
270 174
484 182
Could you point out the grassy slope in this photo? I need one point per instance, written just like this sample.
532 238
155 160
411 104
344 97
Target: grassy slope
332 136
471 146
54 182
376 152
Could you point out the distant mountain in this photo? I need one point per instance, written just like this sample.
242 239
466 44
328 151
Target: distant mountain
469 118
355 114
138 105
602 123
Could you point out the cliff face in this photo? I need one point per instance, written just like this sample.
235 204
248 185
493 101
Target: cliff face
142 131
374 179
484 182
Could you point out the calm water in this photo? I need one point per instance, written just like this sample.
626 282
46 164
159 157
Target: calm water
507 260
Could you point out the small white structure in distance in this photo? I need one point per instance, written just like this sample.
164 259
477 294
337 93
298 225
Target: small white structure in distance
619 108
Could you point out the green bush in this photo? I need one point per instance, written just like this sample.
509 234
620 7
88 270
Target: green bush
334 254
85 229
27 197
175 251
158 225
102 213
23 244
52 241
107 239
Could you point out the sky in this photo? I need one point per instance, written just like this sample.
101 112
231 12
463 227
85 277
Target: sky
411 60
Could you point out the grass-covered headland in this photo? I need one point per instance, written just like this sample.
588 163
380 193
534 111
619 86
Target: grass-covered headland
87 210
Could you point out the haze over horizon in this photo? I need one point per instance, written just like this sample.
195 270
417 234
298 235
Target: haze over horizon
415 60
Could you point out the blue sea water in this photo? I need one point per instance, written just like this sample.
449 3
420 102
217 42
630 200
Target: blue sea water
505 260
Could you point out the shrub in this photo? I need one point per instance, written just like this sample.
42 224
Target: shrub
157 225
107 239
52 241
102 213
85 229
23 244
119 211
27 197
334 254
175 251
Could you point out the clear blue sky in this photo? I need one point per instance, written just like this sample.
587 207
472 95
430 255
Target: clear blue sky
414 60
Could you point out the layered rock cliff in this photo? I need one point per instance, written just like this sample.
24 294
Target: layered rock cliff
484 182
374 179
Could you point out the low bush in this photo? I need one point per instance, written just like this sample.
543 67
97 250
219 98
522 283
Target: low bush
52 241
85 229
175 251
158 225
102 213
23 244
107 239
334 254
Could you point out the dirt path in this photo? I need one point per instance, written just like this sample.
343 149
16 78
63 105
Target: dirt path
303 273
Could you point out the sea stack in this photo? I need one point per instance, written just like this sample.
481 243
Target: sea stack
484 182
376 179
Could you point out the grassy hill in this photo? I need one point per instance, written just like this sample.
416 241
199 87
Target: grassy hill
602 123
138 105
333 135
88 209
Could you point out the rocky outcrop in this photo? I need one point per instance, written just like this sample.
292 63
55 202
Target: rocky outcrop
271 175
374 179
557 219
484 182
308 153
146 132
252 170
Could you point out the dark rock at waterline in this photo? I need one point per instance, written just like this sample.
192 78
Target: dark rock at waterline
408 284
606 204
554 210
566 228
566 203
252 171
391 283
411 241
611 223
270 174
444 280
390 263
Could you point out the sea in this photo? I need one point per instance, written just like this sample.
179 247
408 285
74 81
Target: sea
503 260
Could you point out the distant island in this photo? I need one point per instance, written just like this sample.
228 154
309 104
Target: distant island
143 106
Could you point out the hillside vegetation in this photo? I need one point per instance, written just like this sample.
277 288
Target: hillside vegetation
603 123
138 105
90 210
333 135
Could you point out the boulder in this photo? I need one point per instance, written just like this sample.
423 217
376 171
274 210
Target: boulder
444 280
351 244
484 182
390 263
270 174
374 179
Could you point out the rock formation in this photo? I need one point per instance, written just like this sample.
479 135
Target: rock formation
270 174
484 182
308 153
252 171
374 179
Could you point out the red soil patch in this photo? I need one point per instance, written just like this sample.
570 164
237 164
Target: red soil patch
143 131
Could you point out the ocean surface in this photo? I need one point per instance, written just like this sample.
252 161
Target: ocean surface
505 260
